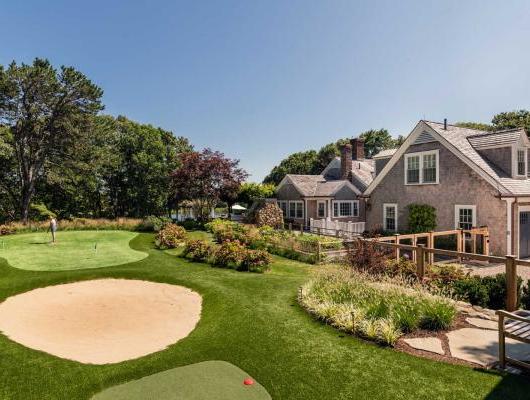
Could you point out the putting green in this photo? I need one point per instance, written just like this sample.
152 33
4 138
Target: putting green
73 250
217 380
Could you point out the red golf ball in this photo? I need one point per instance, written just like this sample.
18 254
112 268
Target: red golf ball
248 381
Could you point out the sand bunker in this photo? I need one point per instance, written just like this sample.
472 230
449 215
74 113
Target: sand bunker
101 321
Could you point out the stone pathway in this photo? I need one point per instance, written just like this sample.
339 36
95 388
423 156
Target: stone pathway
476 343
432 344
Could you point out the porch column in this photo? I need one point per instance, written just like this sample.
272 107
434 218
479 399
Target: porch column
306 219
330 209
509 228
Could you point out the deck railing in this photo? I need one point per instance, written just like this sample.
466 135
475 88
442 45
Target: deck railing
336 228
421 254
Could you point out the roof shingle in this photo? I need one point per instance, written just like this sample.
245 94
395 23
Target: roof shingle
462 140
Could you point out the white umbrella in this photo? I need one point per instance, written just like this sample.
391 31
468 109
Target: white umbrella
238 207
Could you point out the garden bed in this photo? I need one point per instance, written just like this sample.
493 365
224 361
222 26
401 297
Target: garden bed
377 310
298 246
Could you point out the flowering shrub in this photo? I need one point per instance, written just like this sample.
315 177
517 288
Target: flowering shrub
229 254
255 261
367 256
170 236
197 250
269 214
284 243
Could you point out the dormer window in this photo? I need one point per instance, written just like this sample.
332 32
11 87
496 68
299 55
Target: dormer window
421 168
521 162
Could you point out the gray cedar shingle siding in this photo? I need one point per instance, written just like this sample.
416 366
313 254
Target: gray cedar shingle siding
288 192
380 164
461 139
500 158
459 184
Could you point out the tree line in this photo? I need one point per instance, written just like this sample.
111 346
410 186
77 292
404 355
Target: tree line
312 162
58 152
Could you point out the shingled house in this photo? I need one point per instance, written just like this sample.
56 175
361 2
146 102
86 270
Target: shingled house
472 177
334 194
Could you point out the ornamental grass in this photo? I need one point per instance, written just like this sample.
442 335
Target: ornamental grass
380 311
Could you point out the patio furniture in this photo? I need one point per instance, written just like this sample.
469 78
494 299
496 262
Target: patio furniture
514 325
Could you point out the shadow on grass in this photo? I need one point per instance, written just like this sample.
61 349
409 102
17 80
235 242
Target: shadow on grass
511 387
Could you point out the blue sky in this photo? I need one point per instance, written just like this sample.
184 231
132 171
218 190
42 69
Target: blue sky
259 80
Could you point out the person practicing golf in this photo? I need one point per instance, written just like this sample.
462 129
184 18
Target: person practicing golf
53 228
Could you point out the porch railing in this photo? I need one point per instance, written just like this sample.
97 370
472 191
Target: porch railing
336 228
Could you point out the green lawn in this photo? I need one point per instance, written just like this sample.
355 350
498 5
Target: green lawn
253 322
217 380
73 250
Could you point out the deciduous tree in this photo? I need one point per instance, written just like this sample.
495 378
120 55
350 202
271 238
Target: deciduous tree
206 178
46 111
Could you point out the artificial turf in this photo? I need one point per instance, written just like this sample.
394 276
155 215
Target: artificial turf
253 322
73 250
217 380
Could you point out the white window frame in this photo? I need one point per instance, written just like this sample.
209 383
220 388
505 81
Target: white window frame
525 160
325 209
395 206
459 207
354 208
298 204
421 155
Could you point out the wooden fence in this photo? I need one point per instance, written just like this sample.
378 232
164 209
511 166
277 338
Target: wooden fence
462 236
421 253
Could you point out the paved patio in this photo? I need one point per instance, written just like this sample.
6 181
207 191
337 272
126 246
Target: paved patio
475 343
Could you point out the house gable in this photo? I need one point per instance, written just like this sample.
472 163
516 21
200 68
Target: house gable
458 184
418 130
287 190
346 192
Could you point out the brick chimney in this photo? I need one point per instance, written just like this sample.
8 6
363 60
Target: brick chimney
345 161
357 149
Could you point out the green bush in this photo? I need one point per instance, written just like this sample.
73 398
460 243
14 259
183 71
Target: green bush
488 291
293 254
422 218
153 224
472 290
224 230
197 250
192 225
229 254
436 316
525 296
444 275
170 236
255 261
446 242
